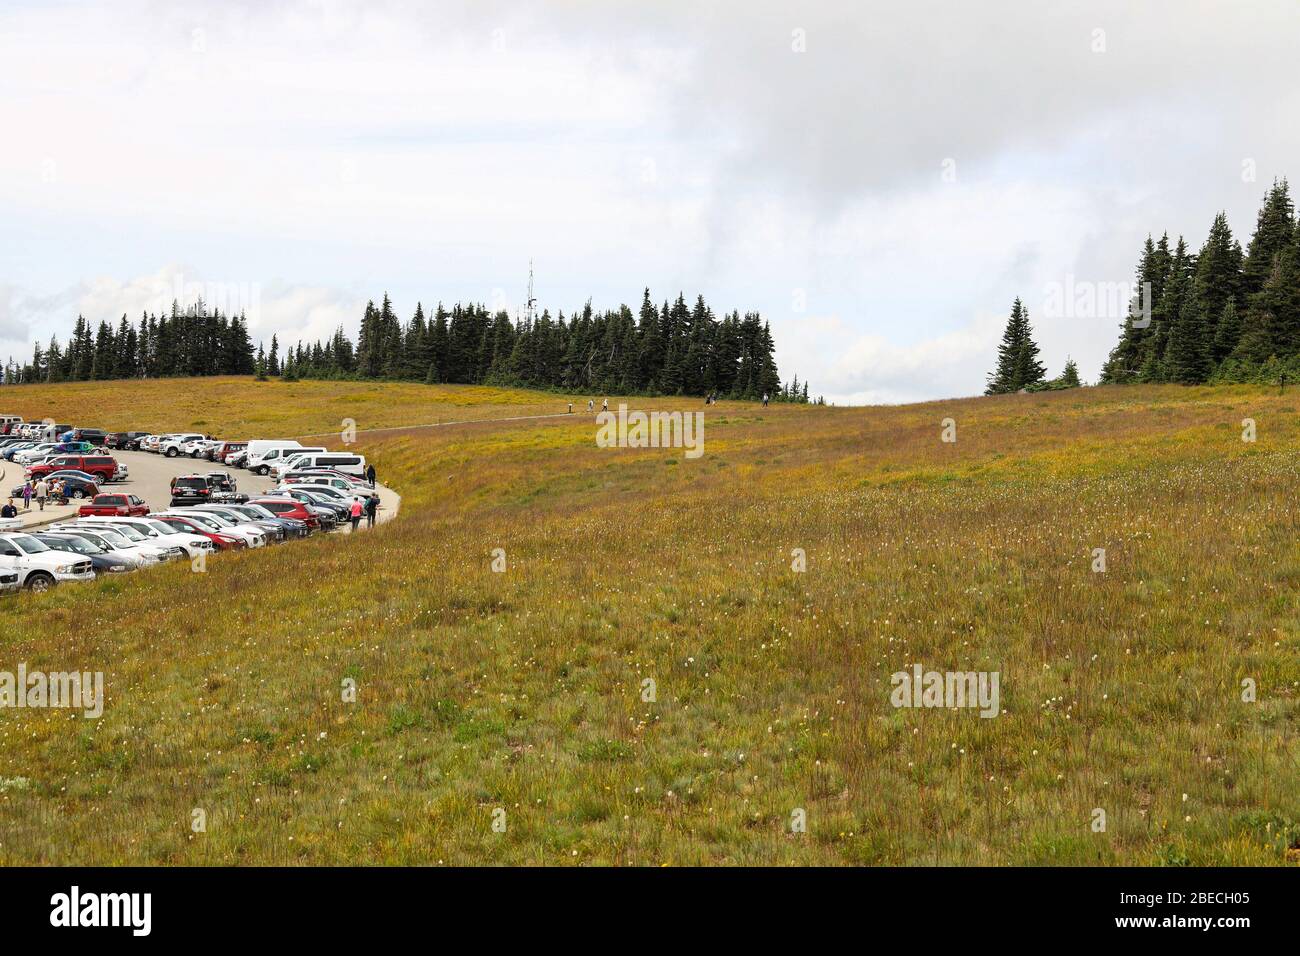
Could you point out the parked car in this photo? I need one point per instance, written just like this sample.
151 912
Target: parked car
197 447
224 487
167 534
172 445
225 450
280 460
254 536
197 524
135 538
40 567
114 504
35 453
286 507
15 448
102 560
274 532
190 489
112 545
126 441
94 436
293 528
102 467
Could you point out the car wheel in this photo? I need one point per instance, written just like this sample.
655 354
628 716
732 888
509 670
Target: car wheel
264 470
78 494
171 452
39 581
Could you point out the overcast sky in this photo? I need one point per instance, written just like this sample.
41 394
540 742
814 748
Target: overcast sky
879 180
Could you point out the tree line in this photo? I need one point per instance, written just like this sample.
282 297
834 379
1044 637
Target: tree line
1220 314
672 349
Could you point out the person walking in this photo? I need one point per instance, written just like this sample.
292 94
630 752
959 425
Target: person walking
604 406
765 399
27 496
372 506
356 513
42 491
9 511
370 475
591 404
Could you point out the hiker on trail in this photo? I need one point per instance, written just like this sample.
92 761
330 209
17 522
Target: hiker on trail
356 513
372 505
591 404
42 491
765 399
9 511
604 406
570 408
27 496
370 475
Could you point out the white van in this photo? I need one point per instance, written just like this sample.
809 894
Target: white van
342 461
276 461
259 447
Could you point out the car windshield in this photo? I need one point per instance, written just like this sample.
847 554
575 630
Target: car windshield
162 527
221 521
139 527
134 534
78 545
191 483
112 537
258 511
203 521
94 540
28 543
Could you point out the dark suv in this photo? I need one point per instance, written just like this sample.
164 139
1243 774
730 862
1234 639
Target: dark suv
129 441
95 436
191 490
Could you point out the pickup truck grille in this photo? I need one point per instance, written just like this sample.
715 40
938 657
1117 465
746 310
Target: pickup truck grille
82 567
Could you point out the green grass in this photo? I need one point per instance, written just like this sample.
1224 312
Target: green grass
523 691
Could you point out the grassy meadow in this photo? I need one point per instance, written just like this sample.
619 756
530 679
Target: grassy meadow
523 691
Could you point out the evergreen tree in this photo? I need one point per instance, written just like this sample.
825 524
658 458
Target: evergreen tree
1018 366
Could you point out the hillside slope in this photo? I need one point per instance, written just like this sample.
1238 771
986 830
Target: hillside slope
523 691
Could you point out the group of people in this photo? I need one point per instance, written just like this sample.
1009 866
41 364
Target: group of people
40 490
368 509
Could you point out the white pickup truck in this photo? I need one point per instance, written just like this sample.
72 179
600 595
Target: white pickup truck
38 566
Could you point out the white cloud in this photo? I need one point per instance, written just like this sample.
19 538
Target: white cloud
324 152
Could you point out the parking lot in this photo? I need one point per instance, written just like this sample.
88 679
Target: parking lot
195 505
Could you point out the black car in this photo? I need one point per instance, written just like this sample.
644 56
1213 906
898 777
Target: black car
128 441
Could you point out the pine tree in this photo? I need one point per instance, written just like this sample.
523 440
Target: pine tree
1018 366
1070 377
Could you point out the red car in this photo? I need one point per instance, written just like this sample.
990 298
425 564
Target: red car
289 508
125 506
221 542
103 467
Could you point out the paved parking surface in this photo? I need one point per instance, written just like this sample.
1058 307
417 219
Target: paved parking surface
150 478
